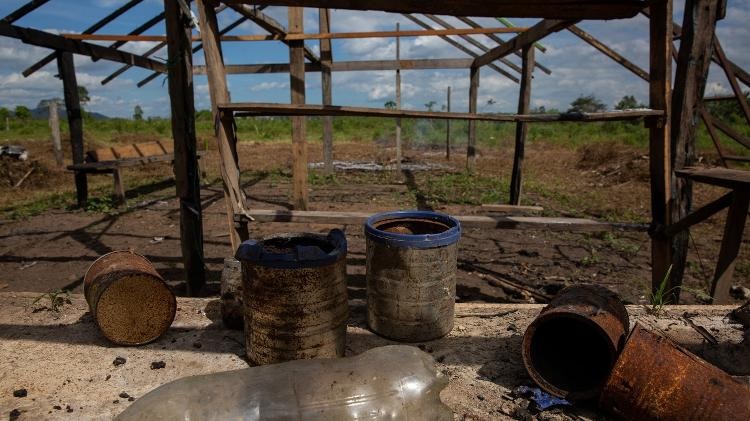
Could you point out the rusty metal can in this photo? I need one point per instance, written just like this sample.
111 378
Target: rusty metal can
129 301
295 298
656 379
232 308
570 348
411 274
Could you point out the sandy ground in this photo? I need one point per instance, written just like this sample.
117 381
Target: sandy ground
67 367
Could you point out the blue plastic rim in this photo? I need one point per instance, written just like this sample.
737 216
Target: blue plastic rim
298 256
419 241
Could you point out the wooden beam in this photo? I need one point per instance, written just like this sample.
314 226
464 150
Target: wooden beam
125 67
137 31
711 129
474 42
224 134
499 41
185 158
730 247
693 61
23 10
467 221
534 34
732 78
498 207
326 59
349 66
90 30
614 55
730 131
448 126
56 42
197 48
699 215
562 9
284 37
461 47
272 26
297 85
660 152
471 144
524 106
67 72
252 109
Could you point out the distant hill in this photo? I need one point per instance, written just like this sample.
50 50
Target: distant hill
42 113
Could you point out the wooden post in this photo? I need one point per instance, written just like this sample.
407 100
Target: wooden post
522 128
326 61
180 77
471 158
693 61
67 71
448 127
54 125
297 83
661 174
399 157
225 136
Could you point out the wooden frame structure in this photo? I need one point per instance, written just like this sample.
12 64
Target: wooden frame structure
670 119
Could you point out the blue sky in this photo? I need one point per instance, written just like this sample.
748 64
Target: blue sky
577 69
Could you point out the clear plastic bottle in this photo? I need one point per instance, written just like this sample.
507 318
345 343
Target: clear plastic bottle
388 383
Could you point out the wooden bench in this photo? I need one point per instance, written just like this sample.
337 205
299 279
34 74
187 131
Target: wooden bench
737 200
113 160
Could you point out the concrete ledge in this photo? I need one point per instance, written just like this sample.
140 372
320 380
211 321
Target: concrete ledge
62 360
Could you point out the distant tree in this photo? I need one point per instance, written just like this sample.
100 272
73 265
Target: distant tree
539 110
4 113
586 104
45 102
628 102
83 95
22 112
391 105
491 102
429 105
137 113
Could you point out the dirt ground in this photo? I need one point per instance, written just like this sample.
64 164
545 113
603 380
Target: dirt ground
52 249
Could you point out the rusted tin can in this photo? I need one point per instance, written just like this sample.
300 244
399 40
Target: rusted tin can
656 379
411 274
232 308
570 348
130 302
294 291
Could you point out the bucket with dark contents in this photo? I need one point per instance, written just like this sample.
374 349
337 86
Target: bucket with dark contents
130 302
570 348
411 274
295 298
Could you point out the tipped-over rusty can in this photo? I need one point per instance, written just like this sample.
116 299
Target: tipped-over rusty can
294 292
570 348
129 300
655 379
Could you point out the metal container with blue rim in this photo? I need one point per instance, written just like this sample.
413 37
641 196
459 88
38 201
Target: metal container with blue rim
411 274
295 298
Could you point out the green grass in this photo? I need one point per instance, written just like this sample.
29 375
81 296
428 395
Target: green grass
416 132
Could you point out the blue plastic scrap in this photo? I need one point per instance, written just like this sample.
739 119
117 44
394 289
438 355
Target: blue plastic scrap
541 399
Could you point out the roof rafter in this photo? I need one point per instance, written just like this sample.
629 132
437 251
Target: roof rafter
93 28
197 48
500 41
535 33
461 47
271 25
56 42
23 10
558 9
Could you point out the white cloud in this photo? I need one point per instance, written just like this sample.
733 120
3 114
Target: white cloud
267 86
